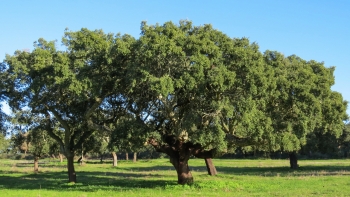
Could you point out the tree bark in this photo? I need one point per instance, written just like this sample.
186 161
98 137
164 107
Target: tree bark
293 160
135 157
36 164
115 159
72 177
126 156
210 166
101 158
61 157
179 154
184 175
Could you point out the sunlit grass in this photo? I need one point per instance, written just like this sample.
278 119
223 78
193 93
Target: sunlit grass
158 178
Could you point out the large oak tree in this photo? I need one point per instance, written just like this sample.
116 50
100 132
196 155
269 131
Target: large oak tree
197 92
79 87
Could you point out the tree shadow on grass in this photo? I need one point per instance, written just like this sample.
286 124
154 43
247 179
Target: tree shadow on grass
87 181
326 170
286 171
132 178
41 164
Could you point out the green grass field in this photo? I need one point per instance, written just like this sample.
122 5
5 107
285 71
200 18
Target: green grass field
158 178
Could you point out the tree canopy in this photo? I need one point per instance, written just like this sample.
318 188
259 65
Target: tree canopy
79 87
186 90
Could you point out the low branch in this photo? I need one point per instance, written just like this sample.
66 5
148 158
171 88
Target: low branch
49 130
204 154
162 148
82 139
97 127
224 126
89 111
59 118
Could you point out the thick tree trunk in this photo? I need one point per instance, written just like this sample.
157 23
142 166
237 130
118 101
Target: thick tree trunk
210 166
184 175
293 160
101 158
61 157
36 164
126 156
179 154
72 177
135 157
115 159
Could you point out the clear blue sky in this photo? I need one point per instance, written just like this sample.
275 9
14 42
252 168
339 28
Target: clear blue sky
313 29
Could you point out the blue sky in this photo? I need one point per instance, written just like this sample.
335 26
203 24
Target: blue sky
313 29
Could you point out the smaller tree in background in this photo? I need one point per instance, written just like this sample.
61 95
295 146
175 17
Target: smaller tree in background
301 102
30 135
4 144
22 122
128 136
39 143
345 140
54 150
321 144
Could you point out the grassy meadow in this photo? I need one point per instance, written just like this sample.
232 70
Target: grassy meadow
158 178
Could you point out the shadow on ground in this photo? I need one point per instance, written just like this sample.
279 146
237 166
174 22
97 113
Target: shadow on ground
145 177
87 181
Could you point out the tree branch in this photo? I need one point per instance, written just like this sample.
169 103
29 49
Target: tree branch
49 130
59 118
97 127
162 148
89 111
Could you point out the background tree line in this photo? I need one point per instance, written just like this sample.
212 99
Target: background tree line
187 91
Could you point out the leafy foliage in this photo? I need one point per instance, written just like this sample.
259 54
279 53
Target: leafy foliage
186 90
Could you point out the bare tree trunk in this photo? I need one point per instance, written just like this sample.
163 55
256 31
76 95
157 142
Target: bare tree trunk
126 156
135 157
184 175
210 166
293 160
101 158
82 156
36 164
80 160
72 177
115 159
61 157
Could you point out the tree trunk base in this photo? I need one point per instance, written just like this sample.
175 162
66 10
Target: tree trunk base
293 161
184 175
115 159
72 177
36 164
61 157
135 157
81 160
210 167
